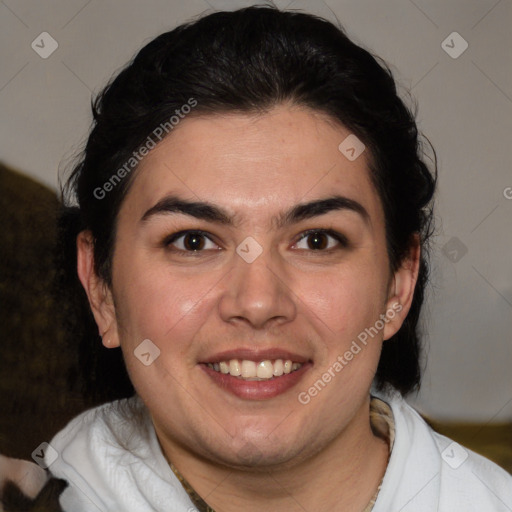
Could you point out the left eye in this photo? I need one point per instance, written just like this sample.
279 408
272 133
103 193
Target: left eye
317 240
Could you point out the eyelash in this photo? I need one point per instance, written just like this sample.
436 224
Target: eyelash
341 239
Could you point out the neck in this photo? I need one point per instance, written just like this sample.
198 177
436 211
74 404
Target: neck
344 475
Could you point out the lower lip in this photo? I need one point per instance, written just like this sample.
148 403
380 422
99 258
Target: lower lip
256 389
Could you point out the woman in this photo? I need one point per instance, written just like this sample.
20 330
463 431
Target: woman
252 221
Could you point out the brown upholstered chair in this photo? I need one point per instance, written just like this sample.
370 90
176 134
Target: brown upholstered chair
37 365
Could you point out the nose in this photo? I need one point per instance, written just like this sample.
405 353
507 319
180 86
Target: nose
258 293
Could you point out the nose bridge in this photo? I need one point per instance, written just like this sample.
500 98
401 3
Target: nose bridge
257 290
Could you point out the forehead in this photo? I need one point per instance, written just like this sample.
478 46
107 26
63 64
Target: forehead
253 165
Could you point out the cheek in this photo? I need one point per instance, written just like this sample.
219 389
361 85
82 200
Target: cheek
169 311
346 302
162 306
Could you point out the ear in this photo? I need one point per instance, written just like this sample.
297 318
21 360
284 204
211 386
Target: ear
98 293
401 289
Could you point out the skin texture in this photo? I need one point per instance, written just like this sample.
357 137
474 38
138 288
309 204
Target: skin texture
314 303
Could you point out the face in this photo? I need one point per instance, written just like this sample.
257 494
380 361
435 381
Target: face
252 285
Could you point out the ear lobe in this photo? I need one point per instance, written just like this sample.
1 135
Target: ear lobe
98 293
401 291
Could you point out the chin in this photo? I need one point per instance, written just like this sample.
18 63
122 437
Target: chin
253 453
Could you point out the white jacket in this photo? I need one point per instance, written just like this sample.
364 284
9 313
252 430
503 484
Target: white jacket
116 466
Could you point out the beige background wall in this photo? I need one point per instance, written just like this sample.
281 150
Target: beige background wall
465 109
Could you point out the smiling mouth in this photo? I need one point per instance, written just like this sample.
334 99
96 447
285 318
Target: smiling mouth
248 370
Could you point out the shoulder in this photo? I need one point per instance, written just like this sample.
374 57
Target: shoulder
111 459
86 450
428 471
107 421
479 482
99 434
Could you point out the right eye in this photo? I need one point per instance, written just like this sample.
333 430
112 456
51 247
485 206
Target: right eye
189 241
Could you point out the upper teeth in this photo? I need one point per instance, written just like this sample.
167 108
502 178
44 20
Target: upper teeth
246 369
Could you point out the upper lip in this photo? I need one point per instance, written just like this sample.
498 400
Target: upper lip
251 354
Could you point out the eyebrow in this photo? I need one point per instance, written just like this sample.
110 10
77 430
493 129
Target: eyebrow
212 213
